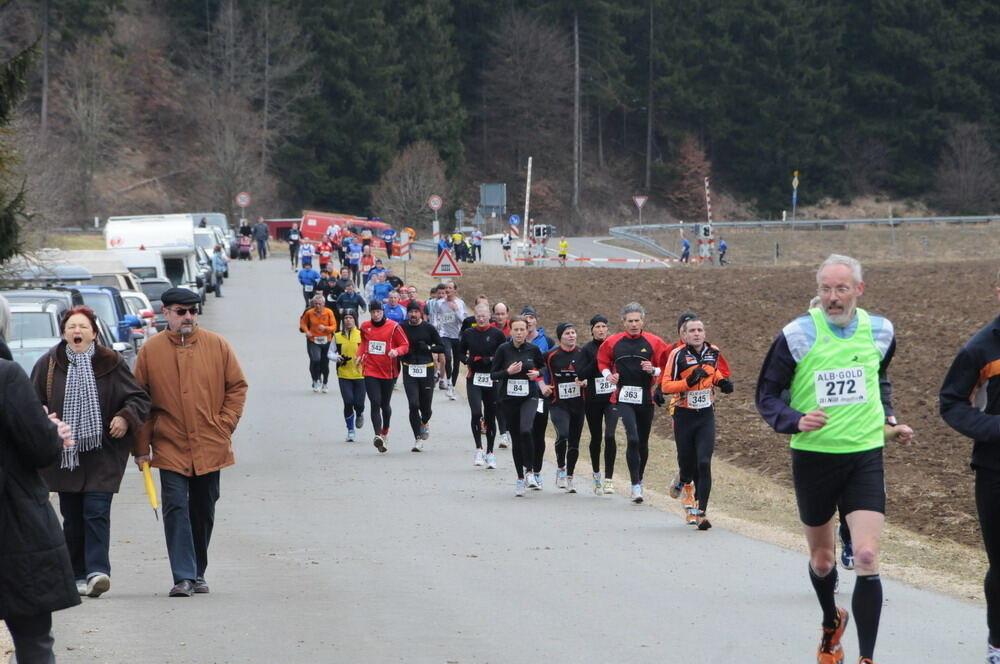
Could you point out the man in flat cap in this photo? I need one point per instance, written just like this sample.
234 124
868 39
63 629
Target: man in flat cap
198 391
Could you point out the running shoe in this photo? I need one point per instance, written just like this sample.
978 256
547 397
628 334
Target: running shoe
538 482
687 496
676 486
480 458
425 431
598 489
519 488
379 443
359 421
441 384
701 520
865 660
98 584
451 393
491 461
315 386
691 516
418 445
830 651
350 436
846 555
569 485
637 494
504 440
992 654
531 480
561 479
324 389
609 486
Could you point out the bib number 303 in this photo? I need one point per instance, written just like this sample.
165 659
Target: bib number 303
840 387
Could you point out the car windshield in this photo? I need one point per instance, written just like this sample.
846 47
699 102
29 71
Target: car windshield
27 357
33 324
143 272
154 289
102 306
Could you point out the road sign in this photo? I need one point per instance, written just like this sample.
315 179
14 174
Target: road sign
446 266
514 220
435 202
640 201
243 199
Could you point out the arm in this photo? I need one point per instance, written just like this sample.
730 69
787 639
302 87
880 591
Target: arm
135 403
144 436
884 385
399 341
673 382
31 434
236 389
500 363
775 377
437 346
605 357
955 400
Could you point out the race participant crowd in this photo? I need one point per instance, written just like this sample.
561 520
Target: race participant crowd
824 382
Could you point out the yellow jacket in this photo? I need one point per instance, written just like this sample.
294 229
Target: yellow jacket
347 346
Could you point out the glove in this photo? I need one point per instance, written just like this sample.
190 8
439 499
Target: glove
658 397
725 386
696 376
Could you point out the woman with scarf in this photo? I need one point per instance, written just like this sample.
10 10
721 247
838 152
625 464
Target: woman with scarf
91 389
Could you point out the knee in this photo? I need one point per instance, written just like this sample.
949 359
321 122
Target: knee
704 467
822 562
865 556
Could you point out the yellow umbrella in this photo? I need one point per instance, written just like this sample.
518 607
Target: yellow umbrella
150 488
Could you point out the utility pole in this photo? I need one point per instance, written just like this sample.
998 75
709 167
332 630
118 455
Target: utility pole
576 113
649 104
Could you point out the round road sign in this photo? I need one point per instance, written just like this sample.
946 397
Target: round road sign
435 202
243 199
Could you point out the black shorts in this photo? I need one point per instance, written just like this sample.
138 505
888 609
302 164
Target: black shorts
854 481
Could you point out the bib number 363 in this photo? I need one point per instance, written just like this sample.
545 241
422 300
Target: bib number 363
630 394
840 387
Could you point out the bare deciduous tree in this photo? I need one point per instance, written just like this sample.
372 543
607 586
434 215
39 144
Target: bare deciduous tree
866 162
401 195
966 179
686 191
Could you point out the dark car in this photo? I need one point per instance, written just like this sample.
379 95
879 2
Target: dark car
56 298
154 288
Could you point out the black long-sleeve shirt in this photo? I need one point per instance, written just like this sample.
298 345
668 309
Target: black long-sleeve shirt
587 368
477 346
563 367
424 340
970 395
530 358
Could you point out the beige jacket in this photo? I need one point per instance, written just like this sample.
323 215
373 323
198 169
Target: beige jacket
198 391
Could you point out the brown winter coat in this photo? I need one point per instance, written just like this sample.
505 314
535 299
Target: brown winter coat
119 394
198 392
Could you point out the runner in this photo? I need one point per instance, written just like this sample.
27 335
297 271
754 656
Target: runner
505 242
630 360
477 245
308 278
536 336
394 311
600 412
833 362
319 325
389 237
447 315
306 253
349 376
350 302
366 264
383 341
325 253
567 409
294 239
563 250
970 404
692 372
723 248
501 319
476 348
354 250
418 371
519 384
685 250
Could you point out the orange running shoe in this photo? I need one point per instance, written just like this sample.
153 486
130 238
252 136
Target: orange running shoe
830 651
688 503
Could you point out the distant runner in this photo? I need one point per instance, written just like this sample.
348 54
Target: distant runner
476 348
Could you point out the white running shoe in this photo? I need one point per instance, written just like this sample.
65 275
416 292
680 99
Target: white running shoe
425 431
609 485
598 489
350 436
504 440
519 488
569 485
538 482
451 393
491 461
637 494
315 386
418 445
324 389
531 480
561 479
480 458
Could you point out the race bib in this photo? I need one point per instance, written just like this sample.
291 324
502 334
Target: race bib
517 388
376 347
417 370
630 394
569 390
319 340
840 387
482 380
603 386
308 288
699 399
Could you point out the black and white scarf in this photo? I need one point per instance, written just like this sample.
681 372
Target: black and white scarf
81 406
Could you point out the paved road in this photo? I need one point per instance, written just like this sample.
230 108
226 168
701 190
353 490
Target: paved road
327 552
587 247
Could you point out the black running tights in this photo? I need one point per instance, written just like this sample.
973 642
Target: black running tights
482 403
380 396
520 414
319 363
569 425
694 431
419 393
637 422
988 506
602 415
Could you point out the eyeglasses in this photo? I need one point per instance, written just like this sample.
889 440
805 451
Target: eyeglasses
181 311
839 290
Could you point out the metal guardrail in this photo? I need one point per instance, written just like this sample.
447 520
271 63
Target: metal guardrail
634 233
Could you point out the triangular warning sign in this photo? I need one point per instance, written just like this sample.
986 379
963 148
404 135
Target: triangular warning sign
446 266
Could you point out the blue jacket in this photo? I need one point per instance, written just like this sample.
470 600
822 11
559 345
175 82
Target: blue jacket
381 291
308 276
396 313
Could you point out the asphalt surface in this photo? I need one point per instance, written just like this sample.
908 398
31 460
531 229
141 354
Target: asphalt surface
325 551
583 247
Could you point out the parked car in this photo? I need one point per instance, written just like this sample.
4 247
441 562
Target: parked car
205 272
57 297
220 221
139 305
26 351
107 303
154 288
30 321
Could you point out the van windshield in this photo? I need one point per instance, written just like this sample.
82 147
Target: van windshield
144 272
175 270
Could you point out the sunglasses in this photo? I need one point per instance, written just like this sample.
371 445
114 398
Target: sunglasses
181 311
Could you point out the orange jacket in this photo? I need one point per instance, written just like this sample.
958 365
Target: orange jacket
682 361
310 322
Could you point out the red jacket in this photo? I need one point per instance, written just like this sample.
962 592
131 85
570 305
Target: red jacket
622 354
376 342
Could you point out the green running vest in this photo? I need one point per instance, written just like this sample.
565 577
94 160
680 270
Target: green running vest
841 376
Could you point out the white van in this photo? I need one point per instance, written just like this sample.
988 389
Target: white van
143 263
170 234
